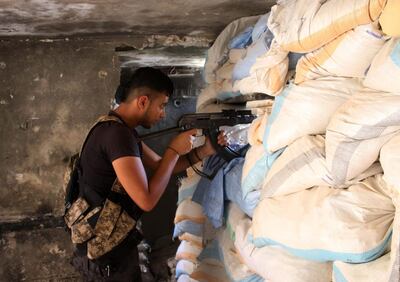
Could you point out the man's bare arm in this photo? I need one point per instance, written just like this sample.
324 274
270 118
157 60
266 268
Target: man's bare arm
152 160
131 173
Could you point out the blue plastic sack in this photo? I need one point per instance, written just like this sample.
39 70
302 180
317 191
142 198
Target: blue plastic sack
260 27
242 40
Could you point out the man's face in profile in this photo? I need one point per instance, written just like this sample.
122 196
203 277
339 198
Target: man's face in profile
156 110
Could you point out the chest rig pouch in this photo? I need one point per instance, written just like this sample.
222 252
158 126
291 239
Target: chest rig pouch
102 227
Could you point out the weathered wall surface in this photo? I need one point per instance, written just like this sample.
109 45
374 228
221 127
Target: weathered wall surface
50 92
56 17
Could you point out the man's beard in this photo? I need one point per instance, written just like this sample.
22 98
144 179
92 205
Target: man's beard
145 122
146 126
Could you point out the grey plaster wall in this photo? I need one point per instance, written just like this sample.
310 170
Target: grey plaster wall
50 92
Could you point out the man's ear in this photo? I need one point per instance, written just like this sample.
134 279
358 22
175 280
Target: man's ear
143 102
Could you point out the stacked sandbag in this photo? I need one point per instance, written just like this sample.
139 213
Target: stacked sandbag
226 51
393 273
325 224
358 130
390 160
257 160
220 261
188 252
365 272
268 72
236 269
323 164
273 263
244 60
233 191
385 69
348 55
217 54
234 216
189 216
303 165
305 25
210 267
189 226
261 42
306 109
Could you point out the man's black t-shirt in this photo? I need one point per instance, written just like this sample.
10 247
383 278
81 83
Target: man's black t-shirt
107 142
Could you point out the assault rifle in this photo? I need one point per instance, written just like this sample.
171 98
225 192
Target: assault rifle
210 124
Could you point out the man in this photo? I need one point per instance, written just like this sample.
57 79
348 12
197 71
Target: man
113 151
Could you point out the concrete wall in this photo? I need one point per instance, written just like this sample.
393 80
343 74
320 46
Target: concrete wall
50 92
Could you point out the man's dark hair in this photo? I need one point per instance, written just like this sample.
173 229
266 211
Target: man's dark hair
149 77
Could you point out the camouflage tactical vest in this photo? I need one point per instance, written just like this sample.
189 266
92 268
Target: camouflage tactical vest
104 227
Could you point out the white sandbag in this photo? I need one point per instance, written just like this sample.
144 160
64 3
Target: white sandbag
255 168
184 267
305 25
242 40
192 239
389 19
275 264
325 224
267 74
372 271
235 268
260 27
207 96
189 210
211 268
234 216
236 54
226 90
257 128
394 269
384 72
260 108
303 165
218 52
348 55
188 251
357 132
306 109
390 161
187 185
210 97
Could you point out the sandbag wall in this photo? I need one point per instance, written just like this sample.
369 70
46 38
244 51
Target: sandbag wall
316 198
